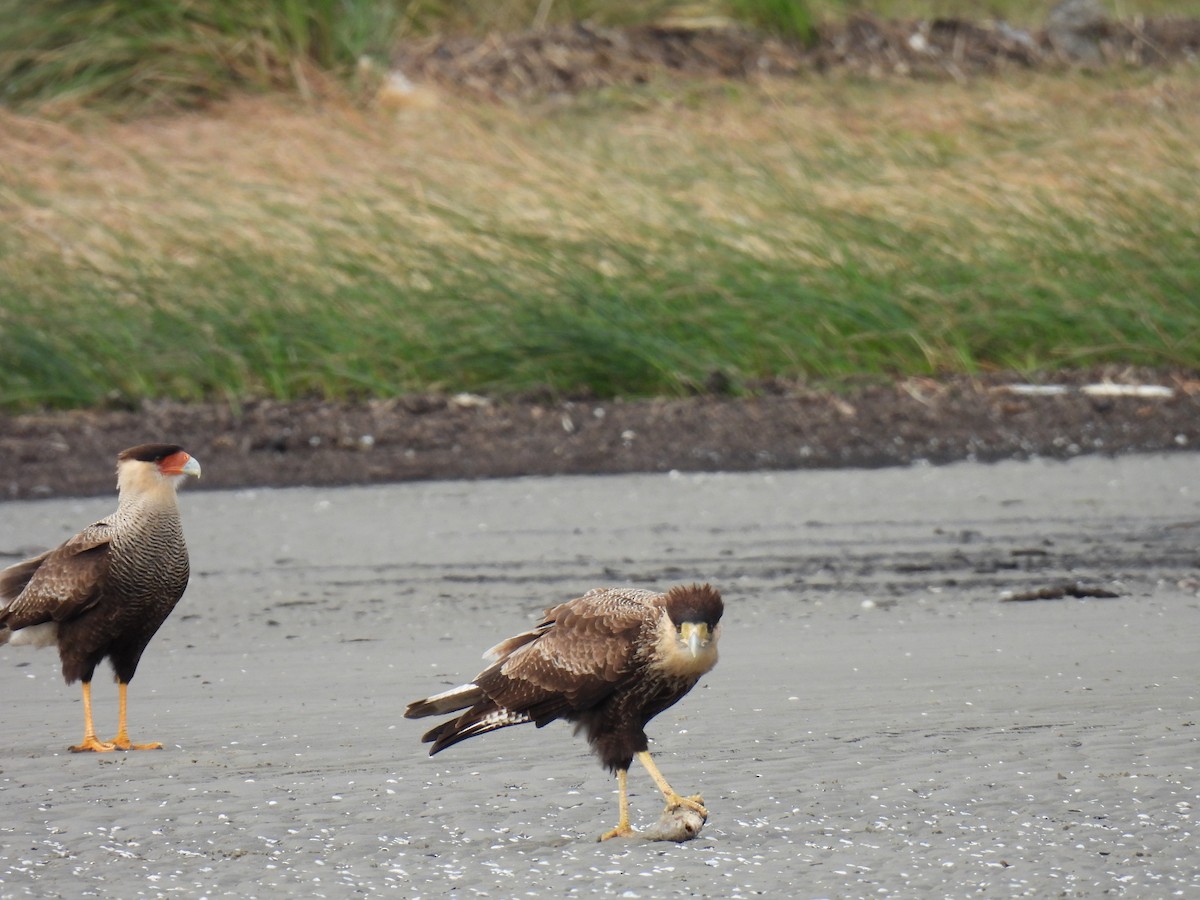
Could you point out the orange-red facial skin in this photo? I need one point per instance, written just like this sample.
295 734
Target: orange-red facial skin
173 464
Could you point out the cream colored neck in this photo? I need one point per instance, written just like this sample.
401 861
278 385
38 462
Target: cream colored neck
140 483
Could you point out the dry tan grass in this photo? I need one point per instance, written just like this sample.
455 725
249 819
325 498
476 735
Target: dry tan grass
763 168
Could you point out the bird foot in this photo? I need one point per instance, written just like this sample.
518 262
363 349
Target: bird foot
121 742
92 745
619 831
694 803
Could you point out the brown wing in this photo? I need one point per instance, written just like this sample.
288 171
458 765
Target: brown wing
15 577
60 584
585 650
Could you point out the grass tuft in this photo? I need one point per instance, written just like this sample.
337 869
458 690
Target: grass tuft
138 56
792 19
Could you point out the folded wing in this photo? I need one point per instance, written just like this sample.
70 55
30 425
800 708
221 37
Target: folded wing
59 585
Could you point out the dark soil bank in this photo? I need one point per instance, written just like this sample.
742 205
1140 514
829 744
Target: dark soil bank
780 426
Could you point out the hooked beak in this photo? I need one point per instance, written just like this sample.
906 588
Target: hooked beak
695 635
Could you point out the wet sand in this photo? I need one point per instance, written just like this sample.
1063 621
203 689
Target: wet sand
881 723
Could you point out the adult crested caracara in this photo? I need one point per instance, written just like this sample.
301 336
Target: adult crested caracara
106 591
609 661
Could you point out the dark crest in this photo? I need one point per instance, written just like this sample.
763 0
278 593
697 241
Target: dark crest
149 452
695 603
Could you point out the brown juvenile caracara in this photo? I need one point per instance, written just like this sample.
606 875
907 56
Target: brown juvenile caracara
609 661
106 591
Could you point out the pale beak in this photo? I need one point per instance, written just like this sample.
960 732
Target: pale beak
180 464
695 635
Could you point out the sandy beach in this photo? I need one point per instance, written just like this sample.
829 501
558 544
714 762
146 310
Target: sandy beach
884 721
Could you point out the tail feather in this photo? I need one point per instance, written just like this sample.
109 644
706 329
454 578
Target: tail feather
461 697
477 721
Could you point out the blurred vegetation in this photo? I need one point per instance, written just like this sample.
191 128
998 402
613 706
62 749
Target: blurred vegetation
785 18
631 243
131 56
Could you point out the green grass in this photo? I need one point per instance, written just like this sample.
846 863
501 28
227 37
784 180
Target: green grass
818 230
146 56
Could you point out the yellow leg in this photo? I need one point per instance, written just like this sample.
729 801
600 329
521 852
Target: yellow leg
674 801
121 741
623 828
90 744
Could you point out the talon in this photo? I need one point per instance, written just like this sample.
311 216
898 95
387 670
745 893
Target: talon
92 745
694 803
619 831
126 744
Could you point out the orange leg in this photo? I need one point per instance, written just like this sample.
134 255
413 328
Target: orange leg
121 741
90 743
674 801
623 828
